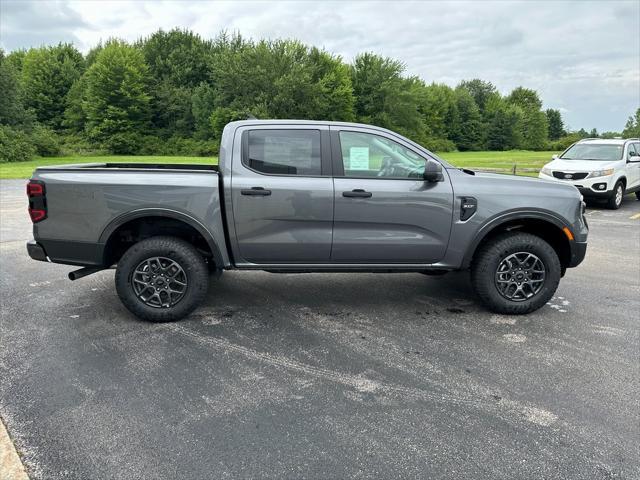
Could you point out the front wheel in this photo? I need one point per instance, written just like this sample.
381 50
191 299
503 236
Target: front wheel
161 279
615 200
515 273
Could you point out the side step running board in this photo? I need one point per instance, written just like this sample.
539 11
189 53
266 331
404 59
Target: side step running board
83 272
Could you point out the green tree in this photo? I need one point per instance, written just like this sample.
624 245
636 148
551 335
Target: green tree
481 91
286 80
178 61
385 98
469 135
74 114
505 122
116 102
11 108
16 59
555 124
632 127
439 110
202 106
534 121
179 57
47 75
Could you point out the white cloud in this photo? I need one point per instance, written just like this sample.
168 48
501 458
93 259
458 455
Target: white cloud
583 57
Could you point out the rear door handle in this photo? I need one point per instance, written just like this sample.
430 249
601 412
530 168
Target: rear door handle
256 191
358 192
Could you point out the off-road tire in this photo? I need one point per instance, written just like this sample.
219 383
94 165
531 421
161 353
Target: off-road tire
489 256
185 255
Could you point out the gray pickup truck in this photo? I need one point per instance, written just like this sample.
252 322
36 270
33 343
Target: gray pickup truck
304 196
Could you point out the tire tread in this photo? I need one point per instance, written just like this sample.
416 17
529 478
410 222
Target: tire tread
190 259
485 262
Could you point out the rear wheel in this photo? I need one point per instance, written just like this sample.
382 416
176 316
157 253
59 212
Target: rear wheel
161 279
615 200
515 273
638 195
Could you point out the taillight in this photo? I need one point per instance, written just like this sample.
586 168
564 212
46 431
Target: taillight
37 200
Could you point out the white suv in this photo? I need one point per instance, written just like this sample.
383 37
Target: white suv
599 168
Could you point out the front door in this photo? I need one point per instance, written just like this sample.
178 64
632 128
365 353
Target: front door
282 195
384 211
633 165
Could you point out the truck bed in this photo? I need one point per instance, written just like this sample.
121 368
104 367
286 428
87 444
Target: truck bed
86 202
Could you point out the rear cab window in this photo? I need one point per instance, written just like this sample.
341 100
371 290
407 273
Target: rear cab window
283 152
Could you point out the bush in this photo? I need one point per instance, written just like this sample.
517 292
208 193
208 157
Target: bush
189 147
78 145
15 145
45 141
123 143
563 142
439 145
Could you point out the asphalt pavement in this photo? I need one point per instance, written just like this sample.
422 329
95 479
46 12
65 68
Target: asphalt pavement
323 375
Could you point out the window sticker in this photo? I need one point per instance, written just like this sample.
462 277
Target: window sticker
359 158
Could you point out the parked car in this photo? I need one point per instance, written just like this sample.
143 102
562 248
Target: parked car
303 196
601 169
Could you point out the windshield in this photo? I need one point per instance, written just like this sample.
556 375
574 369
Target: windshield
586 151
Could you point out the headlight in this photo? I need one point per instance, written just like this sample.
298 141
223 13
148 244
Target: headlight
601 173
547 171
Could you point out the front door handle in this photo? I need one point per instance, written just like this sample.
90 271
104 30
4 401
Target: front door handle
256 191
358 192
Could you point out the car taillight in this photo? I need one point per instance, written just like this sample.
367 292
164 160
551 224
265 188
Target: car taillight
37 200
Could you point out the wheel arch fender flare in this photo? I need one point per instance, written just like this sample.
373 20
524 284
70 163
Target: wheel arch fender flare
500 220
120 220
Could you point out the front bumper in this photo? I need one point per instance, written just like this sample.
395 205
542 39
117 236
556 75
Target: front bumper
36 251
578 252
598 187
588 193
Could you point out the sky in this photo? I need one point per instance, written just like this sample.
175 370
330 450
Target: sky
583 57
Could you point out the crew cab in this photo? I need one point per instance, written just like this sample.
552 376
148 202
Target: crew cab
305 196
602 169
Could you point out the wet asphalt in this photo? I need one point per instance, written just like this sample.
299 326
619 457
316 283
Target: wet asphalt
323 375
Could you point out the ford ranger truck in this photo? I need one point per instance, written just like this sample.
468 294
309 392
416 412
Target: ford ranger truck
305 196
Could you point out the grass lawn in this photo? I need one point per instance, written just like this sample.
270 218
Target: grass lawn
503 160
25 169
479 160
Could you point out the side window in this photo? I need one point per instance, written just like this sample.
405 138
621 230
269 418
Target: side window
369 155
634 150
284 152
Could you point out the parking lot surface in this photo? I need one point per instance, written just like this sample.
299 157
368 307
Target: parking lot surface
324 375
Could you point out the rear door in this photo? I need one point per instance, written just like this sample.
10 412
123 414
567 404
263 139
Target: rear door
385 212
282 194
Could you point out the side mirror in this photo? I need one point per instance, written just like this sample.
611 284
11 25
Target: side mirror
633 156
554 157
432 172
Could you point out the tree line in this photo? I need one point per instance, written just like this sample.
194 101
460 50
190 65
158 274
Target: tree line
173 92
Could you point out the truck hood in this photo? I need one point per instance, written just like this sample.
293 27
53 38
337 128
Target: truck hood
526 183
579 165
